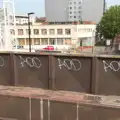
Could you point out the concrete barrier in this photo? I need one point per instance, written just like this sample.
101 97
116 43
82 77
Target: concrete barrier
22 103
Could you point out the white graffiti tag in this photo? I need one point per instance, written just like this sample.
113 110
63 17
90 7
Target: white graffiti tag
1 62
30 61
113 65
70 64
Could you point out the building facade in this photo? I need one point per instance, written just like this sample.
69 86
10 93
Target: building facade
7 24
24 19
74 10
59 36
63 10
56 10
92 10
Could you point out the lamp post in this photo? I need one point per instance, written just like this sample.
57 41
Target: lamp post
29 30
93 39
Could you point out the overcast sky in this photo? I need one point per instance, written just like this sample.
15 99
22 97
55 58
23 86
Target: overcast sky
24 6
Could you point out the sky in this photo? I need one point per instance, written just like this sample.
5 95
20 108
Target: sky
22 7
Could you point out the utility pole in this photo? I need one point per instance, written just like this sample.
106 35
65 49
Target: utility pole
29 30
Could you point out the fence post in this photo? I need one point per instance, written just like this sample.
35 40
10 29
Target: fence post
94 73
12 71
51 72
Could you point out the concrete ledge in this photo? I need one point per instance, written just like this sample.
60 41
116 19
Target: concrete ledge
63 96
20 103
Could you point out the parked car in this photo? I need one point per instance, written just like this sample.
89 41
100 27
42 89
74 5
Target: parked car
49 48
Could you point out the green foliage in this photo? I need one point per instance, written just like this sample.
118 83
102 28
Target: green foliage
109 25
100 43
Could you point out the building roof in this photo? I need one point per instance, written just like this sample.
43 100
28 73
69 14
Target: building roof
21 16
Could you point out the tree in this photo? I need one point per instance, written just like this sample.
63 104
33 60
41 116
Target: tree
109 26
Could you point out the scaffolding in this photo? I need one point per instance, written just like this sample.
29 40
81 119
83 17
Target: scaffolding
7 25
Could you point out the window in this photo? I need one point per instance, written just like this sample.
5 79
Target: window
44 31
74 16
44 41
27 31
79 7
75 8
79 12
79 2
68 41
21 41
67 31
27 41
74 2
51 31
36 41
74 12
12 32
36 31
59 31
70 7
70 12
20 31
52 41
59 41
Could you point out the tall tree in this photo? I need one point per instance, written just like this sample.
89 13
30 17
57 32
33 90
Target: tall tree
109 25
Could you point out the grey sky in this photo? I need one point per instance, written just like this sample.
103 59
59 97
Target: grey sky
37 6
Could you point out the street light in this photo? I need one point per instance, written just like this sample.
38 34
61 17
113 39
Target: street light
29 30
93 38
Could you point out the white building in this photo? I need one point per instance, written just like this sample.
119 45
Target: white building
7 24
24 19
60 36
74 10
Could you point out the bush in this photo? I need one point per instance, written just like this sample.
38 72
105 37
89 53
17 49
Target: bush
101 43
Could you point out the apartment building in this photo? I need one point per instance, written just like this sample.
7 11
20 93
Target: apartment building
74 10
60 36
63 10
93 10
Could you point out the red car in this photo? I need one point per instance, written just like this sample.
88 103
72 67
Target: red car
49 48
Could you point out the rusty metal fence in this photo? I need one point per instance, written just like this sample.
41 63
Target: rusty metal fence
80 73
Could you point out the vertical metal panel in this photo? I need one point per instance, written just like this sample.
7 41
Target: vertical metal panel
94 74
109 113
51 72
88 112
63 111
5 69
32 70
46 110
108 76
35 109
73 73
92 112
14 108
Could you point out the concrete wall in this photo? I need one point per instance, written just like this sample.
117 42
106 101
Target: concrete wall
56 10
19 103
92 10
